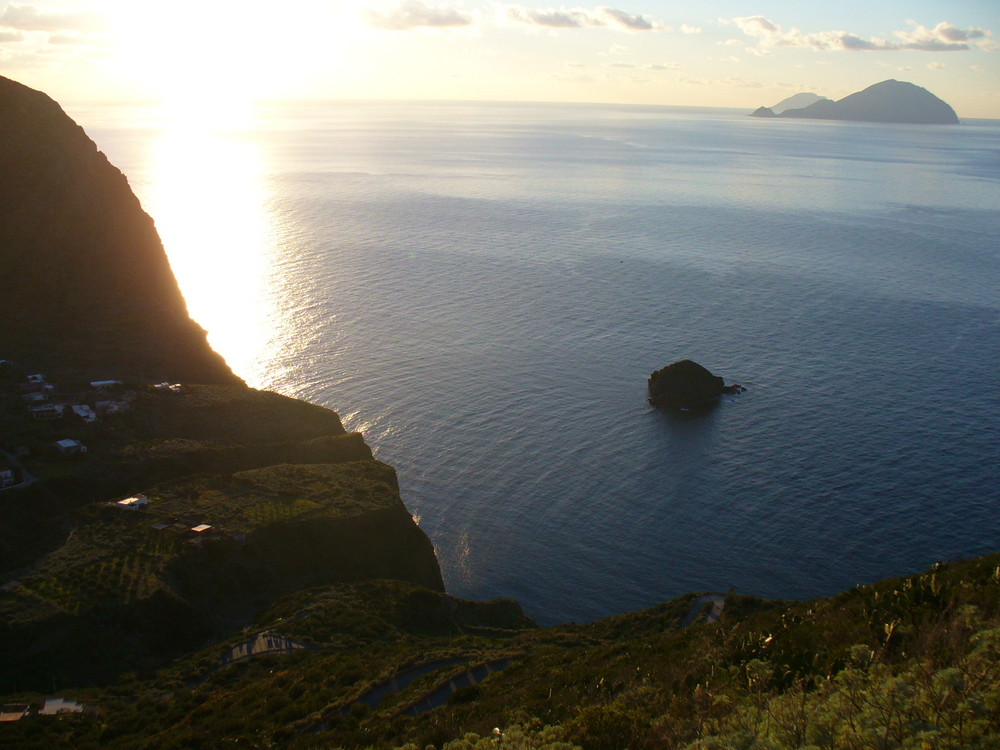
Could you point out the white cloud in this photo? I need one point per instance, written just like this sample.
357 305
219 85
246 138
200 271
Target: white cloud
935 66
723 82
663 66
627 20
576 18
29 18
10 37
413 14
732 43
685 29
619 49
942 38
977 68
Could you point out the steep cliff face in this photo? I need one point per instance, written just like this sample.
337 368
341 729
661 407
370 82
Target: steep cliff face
253 495
87 288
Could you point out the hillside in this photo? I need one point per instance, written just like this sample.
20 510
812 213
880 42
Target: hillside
387 665
108 390
88 291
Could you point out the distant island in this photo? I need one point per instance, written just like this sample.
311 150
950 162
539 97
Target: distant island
889 101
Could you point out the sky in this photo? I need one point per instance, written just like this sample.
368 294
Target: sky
219 55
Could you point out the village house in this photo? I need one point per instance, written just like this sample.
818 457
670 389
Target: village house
57 706
133 503
70 447
111 407
84 412
6 476
171 387
13 711
47 411
104 385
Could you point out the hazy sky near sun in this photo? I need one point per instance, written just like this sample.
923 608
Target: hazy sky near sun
735 53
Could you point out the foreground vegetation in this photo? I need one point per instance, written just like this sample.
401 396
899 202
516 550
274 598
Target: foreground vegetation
912 662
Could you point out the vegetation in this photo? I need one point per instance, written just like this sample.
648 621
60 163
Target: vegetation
904 663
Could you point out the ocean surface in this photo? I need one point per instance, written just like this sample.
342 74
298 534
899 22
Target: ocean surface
483 290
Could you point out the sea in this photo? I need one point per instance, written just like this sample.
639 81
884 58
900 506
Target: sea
483 289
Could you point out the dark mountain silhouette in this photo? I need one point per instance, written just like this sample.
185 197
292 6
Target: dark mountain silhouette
87 289
888 101
797 101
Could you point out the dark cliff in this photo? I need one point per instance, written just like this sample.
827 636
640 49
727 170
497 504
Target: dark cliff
88 290
248 495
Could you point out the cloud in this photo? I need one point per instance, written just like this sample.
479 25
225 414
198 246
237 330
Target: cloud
732 43
942 38
935 66
627 20
29 18
621 65
619 49
685 29
663 66
754 26
977 68
576 18
64 39
722 82
7 37
556 19
413 14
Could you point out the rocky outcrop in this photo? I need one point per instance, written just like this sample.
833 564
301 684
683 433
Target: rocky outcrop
763 112
686 385
88 290
890 101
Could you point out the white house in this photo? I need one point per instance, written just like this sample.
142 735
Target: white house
47 411
103 385
56 706
13 711
84 412
6 476
70 447
133 503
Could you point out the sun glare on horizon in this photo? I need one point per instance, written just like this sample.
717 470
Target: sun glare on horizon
210 62
210 205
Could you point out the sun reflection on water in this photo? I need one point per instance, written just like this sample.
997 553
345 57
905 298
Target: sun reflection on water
209 199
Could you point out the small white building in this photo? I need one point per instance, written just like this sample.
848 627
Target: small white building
47 411
111 407
56 706
201 528
70 447
133 503
84 412
36 379
103 385
6 476
13 711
